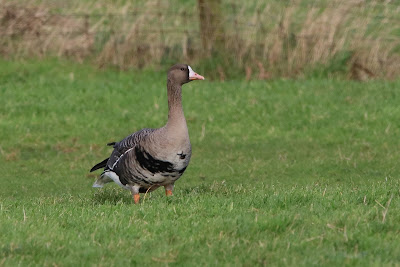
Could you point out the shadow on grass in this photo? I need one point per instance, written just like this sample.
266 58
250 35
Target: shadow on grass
116 195
111 195
193 190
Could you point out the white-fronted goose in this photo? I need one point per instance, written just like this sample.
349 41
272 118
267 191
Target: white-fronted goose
151 158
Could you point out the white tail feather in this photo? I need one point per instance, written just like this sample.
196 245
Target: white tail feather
107 177
96 185
101 181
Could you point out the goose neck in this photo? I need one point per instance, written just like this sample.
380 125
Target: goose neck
175 110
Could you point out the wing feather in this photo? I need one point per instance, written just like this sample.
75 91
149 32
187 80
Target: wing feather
129 142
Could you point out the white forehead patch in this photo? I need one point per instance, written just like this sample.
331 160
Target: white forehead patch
191 72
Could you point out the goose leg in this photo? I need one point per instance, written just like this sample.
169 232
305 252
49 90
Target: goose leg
168 189
135 193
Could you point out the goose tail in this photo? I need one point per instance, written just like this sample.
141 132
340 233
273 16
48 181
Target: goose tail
102 180
107 177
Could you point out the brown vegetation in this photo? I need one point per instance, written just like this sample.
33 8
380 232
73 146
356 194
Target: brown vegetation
355 38
34 31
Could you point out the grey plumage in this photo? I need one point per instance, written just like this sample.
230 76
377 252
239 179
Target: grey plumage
129 142
150 158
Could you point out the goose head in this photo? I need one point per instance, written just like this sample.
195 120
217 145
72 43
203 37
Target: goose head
182 73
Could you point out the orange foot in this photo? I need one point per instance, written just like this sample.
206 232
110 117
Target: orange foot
136 198
168 192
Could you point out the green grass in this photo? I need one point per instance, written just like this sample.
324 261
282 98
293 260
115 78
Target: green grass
283 172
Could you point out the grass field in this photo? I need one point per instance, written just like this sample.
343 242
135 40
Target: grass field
283 172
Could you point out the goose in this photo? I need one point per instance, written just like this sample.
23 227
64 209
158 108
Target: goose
151 158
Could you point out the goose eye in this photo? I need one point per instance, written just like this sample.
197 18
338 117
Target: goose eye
182 69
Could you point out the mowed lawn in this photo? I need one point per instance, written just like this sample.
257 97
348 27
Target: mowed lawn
283 172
